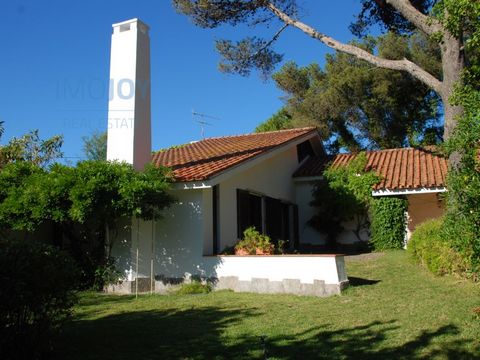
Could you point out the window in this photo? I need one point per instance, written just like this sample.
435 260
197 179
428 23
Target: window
273 217
277 219
249 211
304 149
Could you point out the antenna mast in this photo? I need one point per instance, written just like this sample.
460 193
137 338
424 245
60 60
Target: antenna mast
200 119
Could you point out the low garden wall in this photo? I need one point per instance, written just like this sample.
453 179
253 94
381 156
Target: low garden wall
314 275
317 275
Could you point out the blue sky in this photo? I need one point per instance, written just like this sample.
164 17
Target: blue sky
49 46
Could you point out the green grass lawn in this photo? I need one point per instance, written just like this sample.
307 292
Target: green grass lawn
393 310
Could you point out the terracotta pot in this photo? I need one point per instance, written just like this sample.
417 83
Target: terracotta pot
241 252
264 251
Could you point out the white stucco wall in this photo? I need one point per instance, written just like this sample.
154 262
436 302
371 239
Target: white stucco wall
307 234
180 236
348 234
303 197
179 240
272 177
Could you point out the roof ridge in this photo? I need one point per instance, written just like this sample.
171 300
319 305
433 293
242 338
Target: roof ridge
174 147
421 148
260 133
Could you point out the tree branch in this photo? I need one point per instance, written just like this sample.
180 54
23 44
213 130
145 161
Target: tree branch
403 65
272 40
421 21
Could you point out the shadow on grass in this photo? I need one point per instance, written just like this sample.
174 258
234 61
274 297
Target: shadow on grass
216 333
355 281
94 299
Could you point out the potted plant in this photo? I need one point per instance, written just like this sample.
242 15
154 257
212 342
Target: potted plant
254 243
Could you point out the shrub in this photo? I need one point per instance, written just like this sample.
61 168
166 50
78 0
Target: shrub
388 222
194 287
106 274
430 246
253 240
37 294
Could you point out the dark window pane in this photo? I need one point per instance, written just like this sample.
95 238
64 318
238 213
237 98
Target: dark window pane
277 219
304 149
249 212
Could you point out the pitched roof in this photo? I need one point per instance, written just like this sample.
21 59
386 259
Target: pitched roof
206 158
400 169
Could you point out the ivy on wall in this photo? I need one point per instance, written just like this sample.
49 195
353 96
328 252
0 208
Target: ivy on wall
388 222
345 194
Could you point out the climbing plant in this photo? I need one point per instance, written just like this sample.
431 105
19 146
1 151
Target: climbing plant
462 223
388 219
343 194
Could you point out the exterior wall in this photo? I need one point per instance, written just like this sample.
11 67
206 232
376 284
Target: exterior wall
272 177
348 237
422 207
122 248
175 243
303 195
180 235
307 234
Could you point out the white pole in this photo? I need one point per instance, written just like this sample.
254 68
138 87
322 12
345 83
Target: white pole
152 257
136 265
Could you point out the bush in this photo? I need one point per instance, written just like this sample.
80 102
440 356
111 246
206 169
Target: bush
37 294
106 274
388 222
194 287
430 246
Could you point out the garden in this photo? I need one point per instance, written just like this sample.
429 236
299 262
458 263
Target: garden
393 309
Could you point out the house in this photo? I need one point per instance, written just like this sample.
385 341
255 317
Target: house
224 185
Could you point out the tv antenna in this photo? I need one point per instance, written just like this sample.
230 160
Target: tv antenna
201 120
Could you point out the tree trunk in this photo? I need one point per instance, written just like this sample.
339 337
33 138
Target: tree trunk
453 62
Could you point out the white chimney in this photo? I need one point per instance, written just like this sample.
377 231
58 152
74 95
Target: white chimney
129 117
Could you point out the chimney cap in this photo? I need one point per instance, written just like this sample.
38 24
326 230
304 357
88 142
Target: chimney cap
131 21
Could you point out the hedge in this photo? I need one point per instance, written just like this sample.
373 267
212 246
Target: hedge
430 246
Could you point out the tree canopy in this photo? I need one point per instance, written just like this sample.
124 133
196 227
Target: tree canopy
81 202
95 146
437 20
93 192
281 120
30 147
356 105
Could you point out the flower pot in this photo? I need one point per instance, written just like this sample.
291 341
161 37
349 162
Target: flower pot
241 252
268 251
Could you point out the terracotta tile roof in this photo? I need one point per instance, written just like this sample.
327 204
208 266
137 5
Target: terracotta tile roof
206 158
400 169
